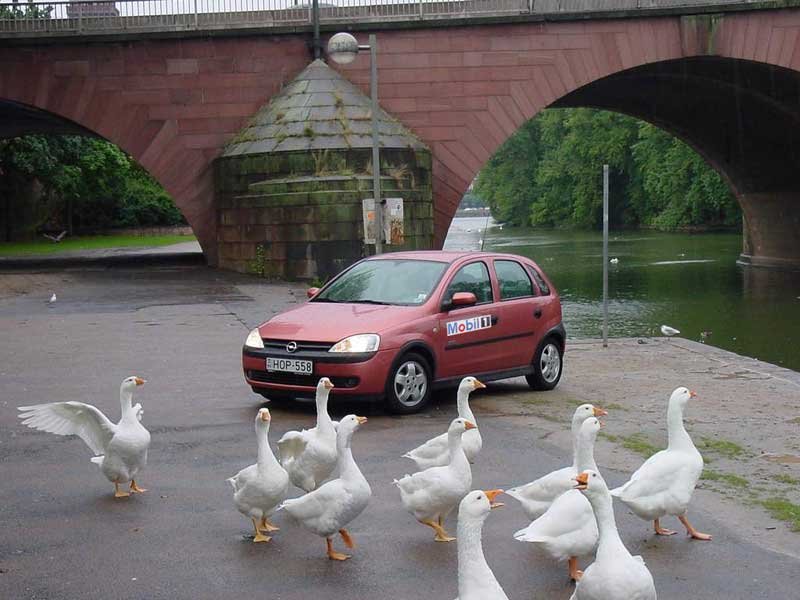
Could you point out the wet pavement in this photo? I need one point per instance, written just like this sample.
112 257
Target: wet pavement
181 328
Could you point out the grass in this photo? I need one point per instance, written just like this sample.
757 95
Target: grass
614 406
787 479
638 444
89 243
723 447
608 436
784 510
726 478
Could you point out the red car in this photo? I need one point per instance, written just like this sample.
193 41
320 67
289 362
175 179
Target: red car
395 326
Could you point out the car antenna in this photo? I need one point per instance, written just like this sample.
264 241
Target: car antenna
485 227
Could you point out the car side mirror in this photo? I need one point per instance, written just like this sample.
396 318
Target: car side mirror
311 292
459 299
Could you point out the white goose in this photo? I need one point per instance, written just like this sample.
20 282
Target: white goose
434 452
537 496
259 488
120 449
614 574
336 503
664 484
568 528
309 456
475 579
431 495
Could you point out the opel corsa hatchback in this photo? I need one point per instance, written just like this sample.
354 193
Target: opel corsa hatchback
395 326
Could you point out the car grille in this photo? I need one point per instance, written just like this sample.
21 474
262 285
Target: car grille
297 379
301 346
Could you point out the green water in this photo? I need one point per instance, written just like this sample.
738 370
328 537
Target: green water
690 282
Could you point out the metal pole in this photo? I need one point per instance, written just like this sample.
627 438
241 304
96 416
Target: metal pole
376 162
605 256
315 20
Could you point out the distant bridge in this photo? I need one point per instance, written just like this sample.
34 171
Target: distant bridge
170 81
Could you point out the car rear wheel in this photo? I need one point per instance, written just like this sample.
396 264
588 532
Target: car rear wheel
547 366
408 388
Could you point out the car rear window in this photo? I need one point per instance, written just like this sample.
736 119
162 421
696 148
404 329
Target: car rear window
513 281
540 282
385 281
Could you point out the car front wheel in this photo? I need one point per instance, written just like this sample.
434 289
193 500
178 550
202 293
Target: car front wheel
547 366
408 388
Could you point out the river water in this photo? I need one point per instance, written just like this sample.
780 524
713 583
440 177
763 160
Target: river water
689 282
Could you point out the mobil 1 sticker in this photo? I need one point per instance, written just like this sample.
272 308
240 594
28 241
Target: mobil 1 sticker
469 325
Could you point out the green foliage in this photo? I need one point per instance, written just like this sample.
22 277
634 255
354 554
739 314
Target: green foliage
50 182
21 11
549 174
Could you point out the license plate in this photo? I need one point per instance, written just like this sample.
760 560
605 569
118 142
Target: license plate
290 365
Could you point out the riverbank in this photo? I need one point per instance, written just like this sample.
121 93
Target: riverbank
122 239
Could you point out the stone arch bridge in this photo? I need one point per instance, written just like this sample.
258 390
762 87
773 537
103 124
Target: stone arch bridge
726 79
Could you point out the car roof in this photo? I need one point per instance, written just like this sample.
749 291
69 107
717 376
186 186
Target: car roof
448 256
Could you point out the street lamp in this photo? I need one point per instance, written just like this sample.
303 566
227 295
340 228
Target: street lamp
343 49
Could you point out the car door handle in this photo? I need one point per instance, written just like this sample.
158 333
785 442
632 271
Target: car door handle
495 319
538 313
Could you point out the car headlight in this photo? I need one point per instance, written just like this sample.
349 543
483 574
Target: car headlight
254 339
364 342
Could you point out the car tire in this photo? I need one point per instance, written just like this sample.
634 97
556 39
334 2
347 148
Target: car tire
408 387
548 365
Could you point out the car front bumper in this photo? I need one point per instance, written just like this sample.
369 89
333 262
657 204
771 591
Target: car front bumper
353 375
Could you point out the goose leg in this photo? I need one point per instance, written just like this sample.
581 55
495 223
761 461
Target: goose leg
574 572
259 537
660 530
692 531
348 541
267 526
117 493
441 534
335 555
136 489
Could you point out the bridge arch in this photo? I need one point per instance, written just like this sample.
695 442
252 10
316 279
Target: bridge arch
728 85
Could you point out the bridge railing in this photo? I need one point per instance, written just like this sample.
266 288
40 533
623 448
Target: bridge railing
105 17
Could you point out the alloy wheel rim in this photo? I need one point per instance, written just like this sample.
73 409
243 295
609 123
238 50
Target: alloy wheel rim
550 363
410 383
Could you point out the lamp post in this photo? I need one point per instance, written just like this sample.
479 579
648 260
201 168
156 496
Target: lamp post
343 48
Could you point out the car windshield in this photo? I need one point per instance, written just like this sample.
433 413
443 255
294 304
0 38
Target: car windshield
385 281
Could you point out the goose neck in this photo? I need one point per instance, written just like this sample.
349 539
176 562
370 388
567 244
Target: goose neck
464 411
584 454
266 458
457 456
348 469
324 422
473 571
678 436
126 403
610 544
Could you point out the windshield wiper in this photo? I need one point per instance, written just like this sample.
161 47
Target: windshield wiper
370 302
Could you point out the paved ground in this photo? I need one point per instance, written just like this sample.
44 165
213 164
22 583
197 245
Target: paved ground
63 536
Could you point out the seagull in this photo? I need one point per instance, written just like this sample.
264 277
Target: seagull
669 331
52 298
614 261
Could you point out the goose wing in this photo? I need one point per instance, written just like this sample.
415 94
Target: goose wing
430 450
657 475
71 418
292 445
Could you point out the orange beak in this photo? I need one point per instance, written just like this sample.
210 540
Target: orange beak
491 495
599 412
602 424
469 425
328 385
479 385
361 420
265 415
582 481
140 381
692 394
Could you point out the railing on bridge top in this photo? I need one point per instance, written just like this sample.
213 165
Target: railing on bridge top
104 17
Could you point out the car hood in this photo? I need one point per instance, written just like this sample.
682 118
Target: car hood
328 322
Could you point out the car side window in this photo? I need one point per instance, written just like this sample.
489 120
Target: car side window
540 282
474 278
514 282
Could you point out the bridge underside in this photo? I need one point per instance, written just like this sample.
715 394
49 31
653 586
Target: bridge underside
743 117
